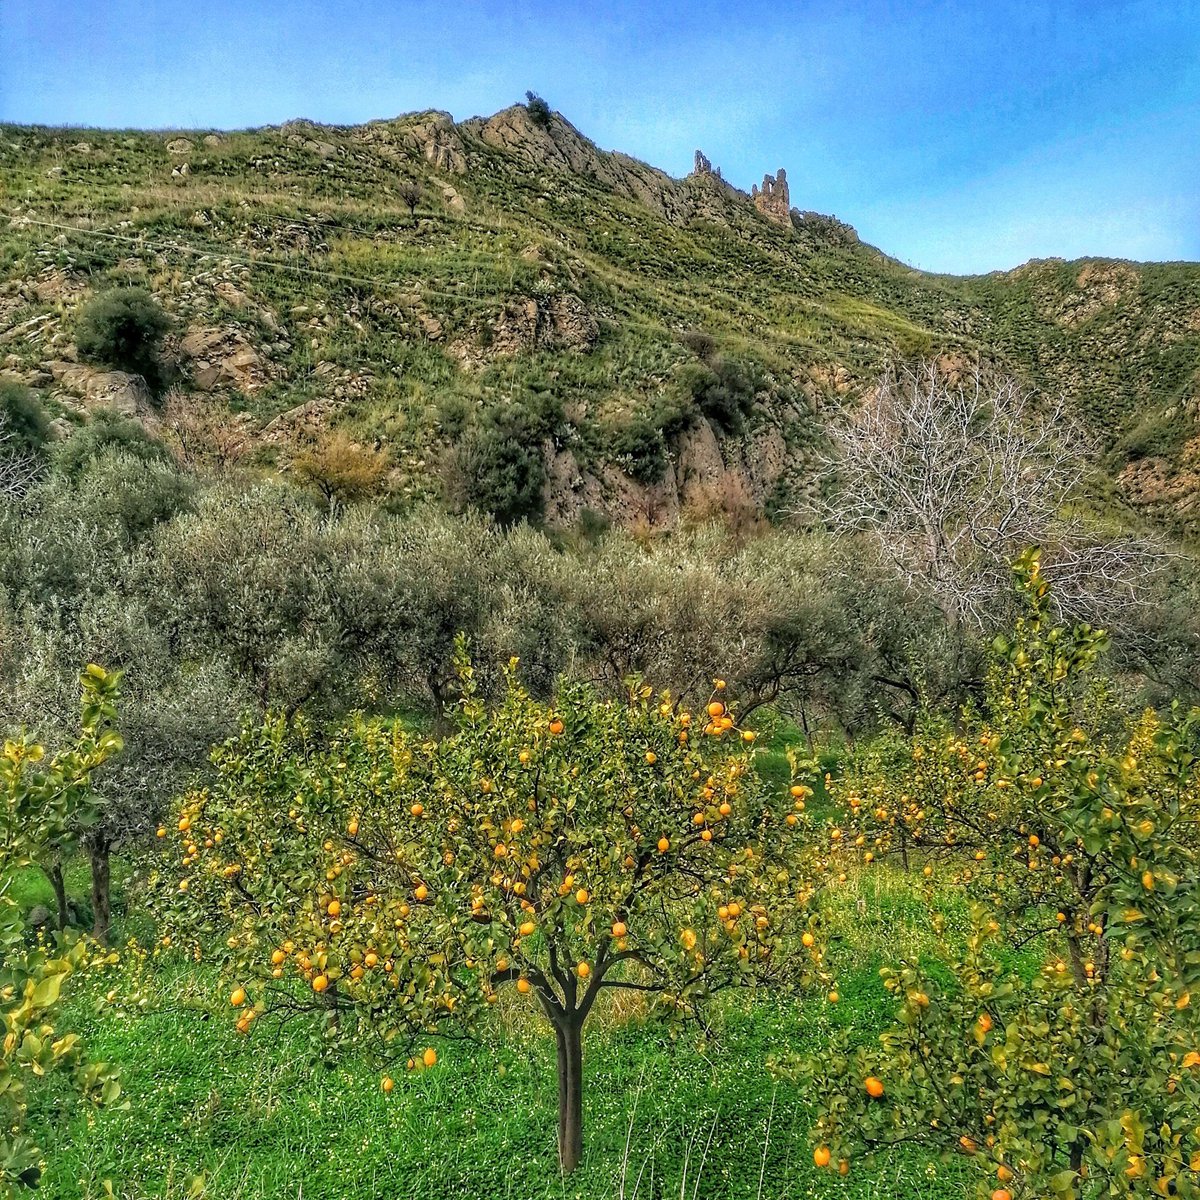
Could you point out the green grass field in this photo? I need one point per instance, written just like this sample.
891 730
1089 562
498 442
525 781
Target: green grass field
266 1117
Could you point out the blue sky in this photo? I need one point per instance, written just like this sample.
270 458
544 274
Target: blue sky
964 136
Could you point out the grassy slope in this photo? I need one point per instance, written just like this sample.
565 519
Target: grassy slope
1121 340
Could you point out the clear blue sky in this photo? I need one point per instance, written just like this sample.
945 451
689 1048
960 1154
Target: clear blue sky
959 136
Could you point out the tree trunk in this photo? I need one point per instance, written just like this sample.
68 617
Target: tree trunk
60 893
569 1035
98 852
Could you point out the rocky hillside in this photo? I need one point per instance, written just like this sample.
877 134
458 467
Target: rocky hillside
498 307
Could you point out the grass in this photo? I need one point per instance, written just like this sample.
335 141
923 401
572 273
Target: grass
267 1117
275 1122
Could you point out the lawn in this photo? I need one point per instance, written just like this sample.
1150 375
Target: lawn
212 1113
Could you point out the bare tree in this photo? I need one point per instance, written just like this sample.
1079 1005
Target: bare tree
19 467
948 482
411 194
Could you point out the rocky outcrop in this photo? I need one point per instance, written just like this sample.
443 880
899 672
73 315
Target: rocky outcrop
223 358
704 167
96 388
559 322
707 476
304 423
439 142
773 200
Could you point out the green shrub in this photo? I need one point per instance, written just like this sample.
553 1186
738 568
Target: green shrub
722 391
702 345
22 418
502 467
640 449
107 430
539 110
124 328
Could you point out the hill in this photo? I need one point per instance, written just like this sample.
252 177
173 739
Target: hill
518 319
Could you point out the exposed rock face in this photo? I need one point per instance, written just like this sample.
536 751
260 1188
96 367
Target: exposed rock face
560 322
436 138
704 167
98 388
1099 286
773 201
223 358
180 145
707 476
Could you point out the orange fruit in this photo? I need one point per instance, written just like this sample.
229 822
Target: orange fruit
387 1083
556 726
527 927
238 998
663 845
335 907
619 929
352 827
582 896
874 1087
429 1058
320 983
821 1156
716 708
523 986
422 892
1001 1194
808 940
583 970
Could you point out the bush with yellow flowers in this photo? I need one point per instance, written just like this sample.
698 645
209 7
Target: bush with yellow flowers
387 884
1061 1048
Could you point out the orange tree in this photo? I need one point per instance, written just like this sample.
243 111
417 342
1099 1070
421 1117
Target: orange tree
1061 1050
388 884
42 800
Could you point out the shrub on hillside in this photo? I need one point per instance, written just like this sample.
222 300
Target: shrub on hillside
539 110
639 448
107 430
23 419
499 467
124 328
340 469
723 391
